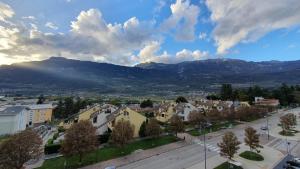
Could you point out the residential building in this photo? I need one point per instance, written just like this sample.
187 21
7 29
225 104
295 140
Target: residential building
39 113
84 114
127 114
184 109
165 111
13 119
99 119
266 102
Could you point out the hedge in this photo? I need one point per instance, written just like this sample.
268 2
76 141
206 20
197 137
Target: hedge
52 149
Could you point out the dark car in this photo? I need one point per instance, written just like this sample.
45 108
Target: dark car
293 163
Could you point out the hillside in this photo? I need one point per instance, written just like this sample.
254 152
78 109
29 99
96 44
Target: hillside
58 73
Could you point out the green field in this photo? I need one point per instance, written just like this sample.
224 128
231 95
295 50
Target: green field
106 153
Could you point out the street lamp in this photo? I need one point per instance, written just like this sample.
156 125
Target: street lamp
205 125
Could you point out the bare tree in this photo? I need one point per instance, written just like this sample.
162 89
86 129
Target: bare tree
153 128
80 139
252 139
229 145
19 149
196 118
122 133
177 124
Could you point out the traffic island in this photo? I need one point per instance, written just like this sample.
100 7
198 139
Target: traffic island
227 165
249 155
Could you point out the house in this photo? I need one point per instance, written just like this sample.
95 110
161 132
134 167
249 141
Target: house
184 109
13 119
99 119
127 114
266 102
165 111
84 114
39 113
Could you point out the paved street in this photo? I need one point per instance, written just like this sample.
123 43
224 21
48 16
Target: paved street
191 155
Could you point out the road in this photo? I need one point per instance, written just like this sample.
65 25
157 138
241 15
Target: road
190 155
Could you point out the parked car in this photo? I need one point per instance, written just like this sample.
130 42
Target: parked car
264 128
293 163
110 167
297 160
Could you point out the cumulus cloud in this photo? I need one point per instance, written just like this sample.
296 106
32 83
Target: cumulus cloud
151 53
183 20
248 20
51 25
90 38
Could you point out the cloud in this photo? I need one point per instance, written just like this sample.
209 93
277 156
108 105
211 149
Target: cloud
202 35
5 12
51 25
90 38
182 21
248 20
150 53
29 17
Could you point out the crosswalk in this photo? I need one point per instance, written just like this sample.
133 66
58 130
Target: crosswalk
208 146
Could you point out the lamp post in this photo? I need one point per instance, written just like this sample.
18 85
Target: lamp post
205 125
268 127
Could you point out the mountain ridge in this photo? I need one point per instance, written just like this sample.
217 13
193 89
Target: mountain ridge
60 73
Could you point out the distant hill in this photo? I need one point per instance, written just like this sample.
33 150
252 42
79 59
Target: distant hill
59 73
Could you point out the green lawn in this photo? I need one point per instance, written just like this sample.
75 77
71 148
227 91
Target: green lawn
225 165
107 153
252 156
287 133
215 127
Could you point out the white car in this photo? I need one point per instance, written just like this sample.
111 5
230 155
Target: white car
110 167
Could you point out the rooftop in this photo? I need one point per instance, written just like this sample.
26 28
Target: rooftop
12 111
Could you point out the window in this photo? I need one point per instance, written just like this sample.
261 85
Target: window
162 115
126 113
95 119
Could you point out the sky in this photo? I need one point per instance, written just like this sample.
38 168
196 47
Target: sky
137 31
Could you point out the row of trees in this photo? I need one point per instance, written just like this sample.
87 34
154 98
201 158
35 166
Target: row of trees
286 94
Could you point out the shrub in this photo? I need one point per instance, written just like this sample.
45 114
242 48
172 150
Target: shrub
51 149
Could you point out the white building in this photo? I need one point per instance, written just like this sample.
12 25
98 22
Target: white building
13 119
184 109
99 119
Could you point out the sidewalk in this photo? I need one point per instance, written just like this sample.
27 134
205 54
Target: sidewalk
137 156
271 157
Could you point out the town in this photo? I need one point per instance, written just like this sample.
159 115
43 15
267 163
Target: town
149 84
186 132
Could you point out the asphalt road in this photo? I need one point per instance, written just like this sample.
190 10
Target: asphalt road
193 154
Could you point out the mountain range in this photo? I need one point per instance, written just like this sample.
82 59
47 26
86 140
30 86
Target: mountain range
58 73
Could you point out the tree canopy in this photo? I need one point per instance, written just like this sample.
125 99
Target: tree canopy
146 103
80 139
19 149
181 99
